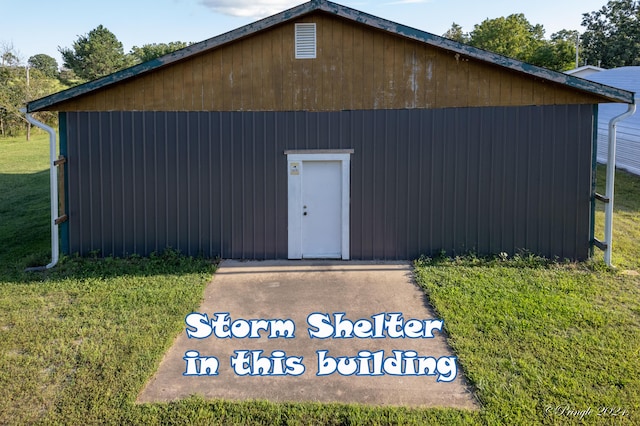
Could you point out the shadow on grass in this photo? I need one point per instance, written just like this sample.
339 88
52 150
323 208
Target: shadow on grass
627 188
25 241
24 221
519 260
78 268
168 262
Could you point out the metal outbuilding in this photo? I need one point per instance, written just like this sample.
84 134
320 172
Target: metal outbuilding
584 71
628 146
325 132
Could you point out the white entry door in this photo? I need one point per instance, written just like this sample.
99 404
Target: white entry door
318 185
322 209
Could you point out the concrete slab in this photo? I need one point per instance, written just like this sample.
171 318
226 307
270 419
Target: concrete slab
294 290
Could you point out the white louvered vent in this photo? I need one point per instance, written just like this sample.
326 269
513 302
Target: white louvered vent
305 41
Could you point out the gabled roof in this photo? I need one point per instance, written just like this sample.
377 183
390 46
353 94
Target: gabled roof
584 68
627 78
628 136
610 93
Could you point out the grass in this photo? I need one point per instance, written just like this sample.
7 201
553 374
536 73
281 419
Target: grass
24 202
532 335
626 220
77 343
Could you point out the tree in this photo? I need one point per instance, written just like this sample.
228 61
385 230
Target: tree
12 90
513 36
455 33
95 55
19 85
47 65
612 37
558 53
152 51
68 77
13 95
9 57
16 90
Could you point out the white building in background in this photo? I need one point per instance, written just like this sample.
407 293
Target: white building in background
628 147
585 71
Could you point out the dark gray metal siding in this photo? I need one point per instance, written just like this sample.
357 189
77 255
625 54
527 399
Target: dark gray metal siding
481 180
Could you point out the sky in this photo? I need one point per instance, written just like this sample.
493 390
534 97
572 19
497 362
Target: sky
41 26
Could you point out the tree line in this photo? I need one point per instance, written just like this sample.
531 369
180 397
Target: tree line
91 56
611 39
18 84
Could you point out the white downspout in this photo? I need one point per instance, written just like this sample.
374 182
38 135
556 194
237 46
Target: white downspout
53 179
611 175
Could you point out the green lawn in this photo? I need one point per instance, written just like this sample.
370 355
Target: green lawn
24 203
78 343
626 220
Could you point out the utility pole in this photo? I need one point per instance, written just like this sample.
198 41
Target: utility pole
577 50
28 123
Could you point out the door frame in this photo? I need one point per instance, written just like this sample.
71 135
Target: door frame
295 161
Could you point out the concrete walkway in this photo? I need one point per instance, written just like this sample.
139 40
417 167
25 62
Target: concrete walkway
294 290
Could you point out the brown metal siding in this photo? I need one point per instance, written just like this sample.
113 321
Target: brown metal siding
357 67
481 180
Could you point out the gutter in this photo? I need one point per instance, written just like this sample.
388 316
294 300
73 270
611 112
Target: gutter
53 179
611 174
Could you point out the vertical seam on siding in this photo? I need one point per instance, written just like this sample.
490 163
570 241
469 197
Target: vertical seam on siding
101 181
265 148
122 186
421 115
209 216
218 117
199 181
516 183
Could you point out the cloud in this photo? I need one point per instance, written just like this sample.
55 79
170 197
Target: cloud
409 2
250 8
